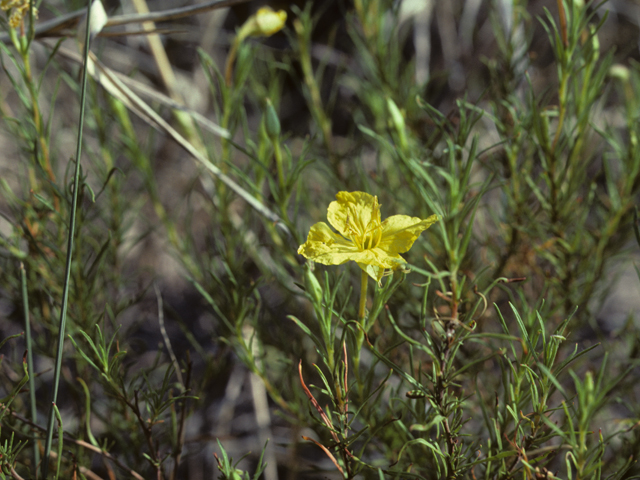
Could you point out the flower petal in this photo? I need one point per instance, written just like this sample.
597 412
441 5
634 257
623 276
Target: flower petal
375 261
373 271
377 257
264 23
269 22
400 231
326 247
374 245
352 208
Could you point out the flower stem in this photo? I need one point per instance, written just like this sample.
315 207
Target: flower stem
363 296
278 155
364 282
231 57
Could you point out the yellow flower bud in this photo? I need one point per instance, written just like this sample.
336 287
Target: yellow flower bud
264 23
269 22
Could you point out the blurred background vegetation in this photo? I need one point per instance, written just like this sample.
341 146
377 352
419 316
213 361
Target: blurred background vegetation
200 345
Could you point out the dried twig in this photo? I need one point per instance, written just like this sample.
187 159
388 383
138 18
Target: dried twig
63 25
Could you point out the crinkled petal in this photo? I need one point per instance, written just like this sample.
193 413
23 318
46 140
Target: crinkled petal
355 208
377 257
327 247
400 231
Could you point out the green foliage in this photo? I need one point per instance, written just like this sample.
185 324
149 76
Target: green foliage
228 470
493 355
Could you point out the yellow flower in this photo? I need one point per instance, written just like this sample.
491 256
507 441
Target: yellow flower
264 23
373 244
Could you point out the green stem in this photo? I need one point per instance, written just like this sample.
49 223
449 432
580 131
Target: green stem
231 57
67 275
562 97
314 97
222 203
278 154
364 282
38 122
30 369
364 277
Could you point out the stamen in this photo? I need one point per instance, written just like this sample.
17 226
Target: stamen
372 234
364 236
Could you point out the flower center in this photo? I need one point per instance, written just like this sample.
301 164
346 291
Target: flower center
365 235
